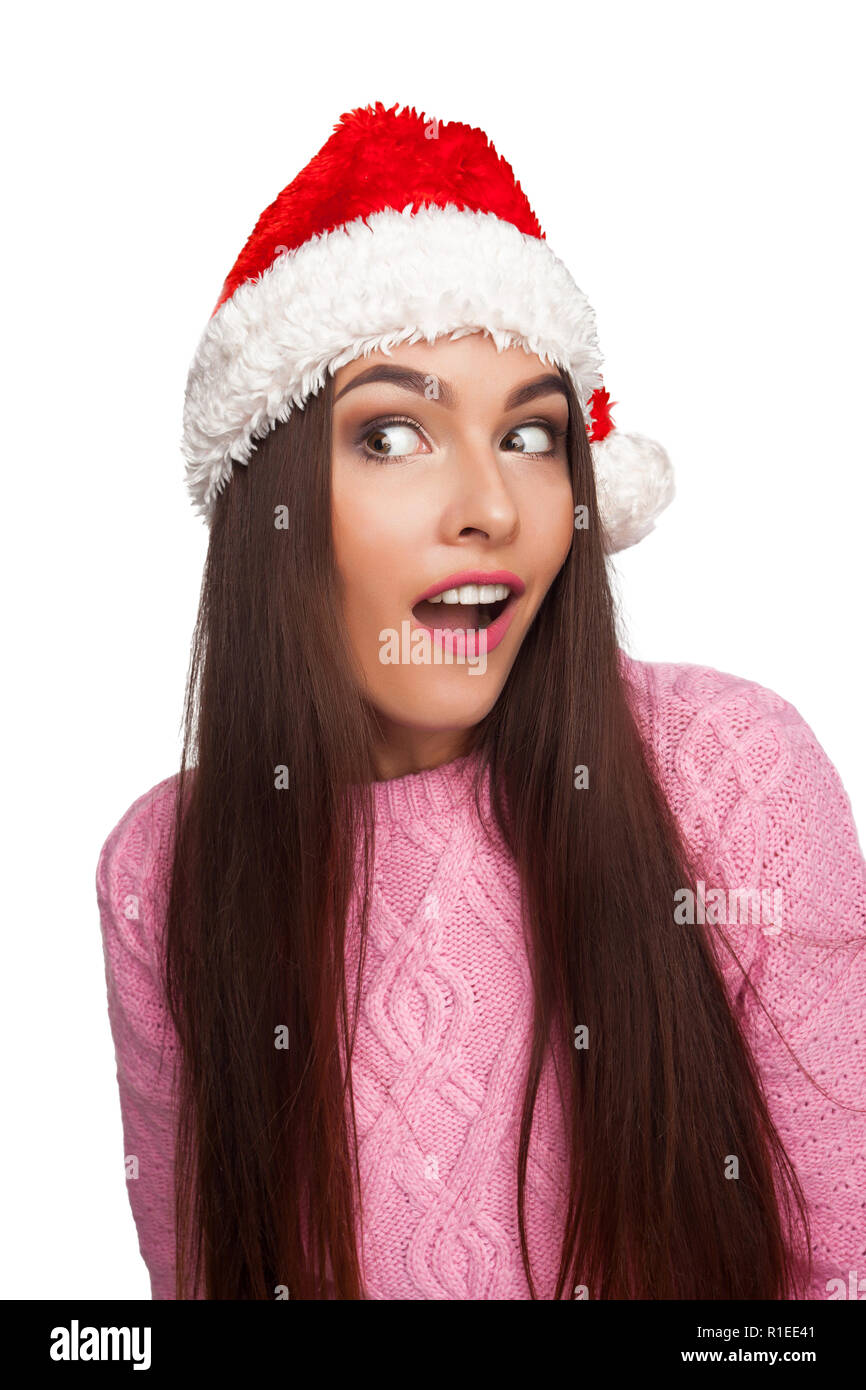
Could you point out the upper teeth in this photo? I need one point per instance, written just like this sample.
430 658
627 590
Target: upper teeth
473 593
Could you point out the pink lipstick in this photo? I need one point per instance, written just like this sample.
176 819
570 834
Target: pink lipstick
473 624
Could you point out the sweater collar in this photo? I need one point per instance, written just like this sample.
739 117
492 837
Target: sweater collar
426 795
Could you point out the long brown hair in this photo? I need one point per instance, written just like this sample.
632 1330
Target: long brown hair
267 1178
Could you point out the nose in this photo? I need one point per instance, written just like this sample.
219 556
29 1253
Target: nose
479 499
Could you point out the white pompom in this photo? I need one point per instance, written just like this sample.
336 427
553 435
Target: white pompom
635 482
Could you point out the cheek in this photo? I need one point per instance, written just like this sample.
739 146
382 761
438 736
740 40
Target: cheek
547 522
564 527
374 545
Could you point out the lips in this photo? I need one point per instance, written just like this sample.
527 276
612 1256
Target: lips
468 626
454 581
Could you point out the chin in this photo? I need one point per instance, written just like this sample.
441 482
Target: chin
441 709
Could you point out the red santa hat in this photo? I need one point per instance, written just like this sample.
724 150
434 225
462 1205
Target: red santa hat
401 228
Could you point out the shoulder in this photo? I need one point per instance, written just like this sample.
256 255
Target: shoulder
132 871
755 793
721 740
677 701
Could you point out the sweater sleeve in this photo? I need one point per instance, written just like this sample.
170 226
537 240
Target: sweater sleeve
759 795
130 888
810 973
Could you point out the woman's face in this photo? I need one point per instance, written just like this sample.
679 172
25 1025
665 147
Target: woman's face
450 476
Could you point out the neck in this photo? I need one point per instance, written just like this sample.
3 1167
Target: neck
402 751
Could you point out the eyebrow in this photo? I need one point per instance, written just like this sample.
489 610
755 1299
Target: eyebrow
418 382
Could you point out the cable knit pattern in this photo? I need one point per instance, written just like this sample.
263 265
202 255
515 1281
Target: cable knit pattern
442 1053
443 1033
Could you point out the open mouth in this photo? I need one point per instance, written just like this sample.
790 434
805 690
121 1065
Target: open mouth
466 617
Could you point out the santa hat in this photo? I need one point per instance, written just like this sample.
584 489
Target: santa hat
400 229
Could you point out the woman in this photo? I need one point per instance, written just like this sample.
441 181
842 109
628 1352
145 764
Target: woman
465 956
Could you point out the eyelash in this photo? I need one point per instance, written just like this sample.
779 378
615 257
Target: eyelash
383 423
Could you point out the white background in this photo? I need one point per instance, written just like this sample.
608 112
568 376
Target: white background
698 168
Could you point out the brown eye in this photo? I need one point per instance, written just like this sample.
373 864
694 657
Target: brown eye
392 441
540 440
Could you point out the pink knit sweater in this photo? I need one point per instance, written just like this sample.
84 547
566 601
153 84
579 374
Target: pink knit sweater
443 1035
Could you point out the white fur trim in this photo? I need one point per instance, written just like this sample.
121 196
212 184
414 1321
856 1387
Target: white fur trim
394 277
635 482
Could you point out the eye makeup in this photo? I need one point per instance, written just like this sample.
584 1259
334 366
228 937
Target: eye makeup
385 421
